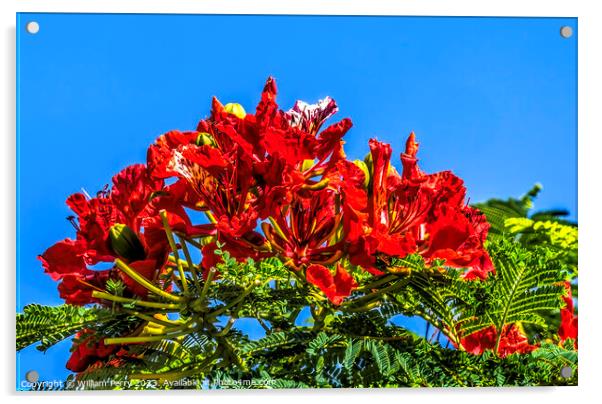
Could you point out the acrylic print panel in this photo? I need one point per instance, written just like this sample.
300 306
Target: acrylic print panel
421 230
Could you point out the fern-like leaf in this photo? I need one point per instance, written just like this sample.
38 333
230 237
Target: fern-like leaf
50 325
527 283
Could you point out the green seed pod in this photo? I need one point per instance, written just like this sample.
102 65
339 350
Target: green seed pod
235 109
125 243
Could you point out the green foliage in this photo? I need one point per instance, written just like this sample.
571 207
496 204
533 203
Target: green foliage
50 325
309 342
555 236
498 210
526 284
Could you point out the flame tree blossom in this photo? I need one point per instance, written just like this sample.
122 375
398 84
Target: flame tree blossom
273 183
275 171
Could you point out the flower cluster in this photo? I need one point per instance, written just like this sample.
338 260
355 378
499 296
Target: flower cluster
277 171
511 340
271 183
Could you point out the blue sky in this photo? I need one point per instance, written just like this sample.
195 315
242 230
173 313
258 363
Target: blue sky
493 99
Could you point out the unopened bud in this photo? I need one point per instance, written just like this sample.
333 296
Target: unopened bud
205 138
235 109
364 167
125 243
307 164
369 163
411 145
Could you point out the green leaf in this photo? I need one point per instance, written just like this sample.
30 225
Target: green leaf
49 325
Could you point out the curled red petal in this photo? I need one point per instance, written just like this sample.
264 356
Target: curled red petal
146 268
88 352
336 287
64 258
132 188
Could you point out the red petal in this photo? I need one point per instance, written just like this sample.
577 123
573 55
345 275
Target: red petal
64 258
343 281
336 288
146 268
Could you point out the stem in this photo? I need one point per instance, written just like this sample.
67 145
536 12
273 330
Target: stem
448 332
193 242
367 307
318 316
177 375
500 326
225 329
142 281
151 319
136 340
377 283
172 260
277 228
293 316
174 248
119 299
191 267
210 216
369 297
262 324
233 303
210 276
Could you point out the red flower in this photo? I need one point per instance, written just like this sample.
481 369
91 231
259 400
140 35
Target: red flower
241 168
95 216
126 203
64 258
396 213
458 236
88 352
222 183
476 343
354 198
303 232
297 156
568 320
159 154
336 287
140 240
131 191
454 231
512 341
310 118
419 213
77 289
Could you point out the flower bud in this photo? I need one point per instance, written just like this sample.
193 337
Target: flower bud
411 145
370 165
125 243
307 164
235 109
205 138
368 161
364 167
